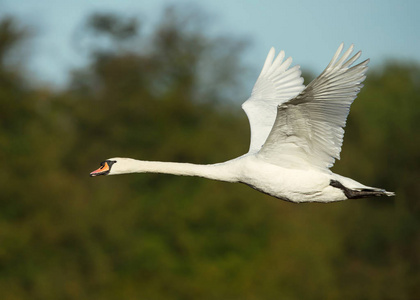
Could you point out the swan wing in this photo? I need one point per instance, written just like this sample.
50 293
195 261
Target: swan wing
308 129
275 85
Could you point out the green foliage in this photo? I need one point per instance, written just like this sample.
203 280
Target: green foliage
64 235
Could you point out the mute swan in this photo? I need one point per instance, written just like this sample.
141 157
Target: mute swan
296 135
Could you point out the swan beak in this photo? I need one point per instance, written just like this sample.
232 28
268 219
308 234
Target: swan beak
103 170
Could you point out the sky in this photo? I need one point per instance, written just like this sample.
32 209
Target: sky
309 31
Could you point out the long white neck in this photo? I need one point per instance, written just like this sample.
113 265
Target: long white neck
221 171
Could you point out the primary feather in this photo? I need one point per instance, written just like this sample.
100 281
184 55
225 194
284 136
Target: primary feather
308 130
275 85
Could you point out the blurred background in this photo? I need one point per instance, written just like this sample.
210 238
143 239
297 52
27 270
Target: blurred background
81 82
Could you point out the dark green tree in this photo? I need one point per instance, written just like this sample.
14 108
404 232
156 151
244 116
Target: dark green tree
173 94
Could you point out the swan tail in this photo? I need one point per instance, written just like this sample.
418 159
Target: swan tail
365 192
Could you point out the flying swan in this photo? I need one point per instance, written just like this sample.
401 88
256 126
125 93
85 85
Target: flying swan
296 135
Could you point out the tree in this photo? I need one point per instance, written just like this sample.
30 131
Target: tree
163 96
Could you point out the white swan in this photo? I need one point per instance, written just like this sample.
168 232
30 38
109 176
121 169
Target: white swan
296 135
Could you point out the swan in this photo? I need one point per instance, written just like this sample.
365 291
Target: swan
296 135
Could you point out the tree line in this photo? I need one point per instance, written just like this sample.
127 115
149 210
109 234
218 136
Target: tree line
173 95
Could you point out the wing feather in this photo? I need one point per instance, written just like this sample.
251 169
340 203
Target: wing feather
309 129
276 84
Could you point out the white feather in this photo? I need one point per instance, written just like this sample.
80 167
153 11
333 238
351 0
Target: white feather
309 128
275 84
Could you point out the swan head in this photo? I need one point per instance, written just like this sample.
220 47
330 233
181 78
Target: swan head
113 166
104 169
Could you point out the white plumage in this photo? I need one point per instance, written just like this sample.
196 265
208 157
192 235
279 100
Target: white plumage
275 85
296 135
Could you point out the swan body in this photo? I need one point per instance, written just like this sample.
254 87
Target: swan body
296 135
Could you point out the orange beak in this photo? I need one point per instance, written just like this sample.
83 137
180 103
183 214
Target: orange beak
101 171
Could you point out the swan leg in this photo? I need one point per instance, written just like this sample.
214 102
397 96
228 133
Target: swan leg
362 193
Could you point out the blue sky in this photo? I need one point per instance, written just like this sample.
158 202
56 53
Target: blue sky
309 31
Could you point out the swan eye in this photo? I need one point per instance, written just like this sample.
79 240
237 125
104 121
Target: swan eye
110 163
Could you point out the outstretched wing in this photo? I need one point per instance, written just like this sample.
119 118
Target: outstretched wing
308 129
275 85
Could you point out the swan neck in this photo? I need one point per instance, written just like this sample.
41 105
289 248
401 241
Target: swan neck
220 171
